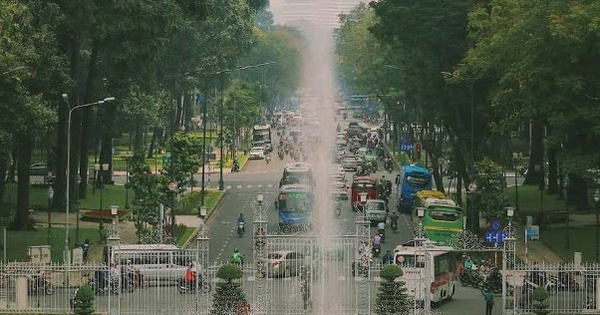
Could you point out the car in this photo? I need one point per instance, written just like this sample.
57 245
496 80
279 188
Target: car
339 185
257 153
283 263
38 169
340 195
376 210
350 164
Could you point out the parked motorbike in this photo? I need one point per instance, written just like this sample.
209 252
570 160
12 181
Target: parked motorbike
536 279
241 228
185 286
39 285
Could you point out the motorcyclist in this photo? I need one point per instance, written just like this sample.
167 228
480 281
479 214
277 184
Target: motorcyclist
237 257
468 264
394 220
377 240
85 247
242 220
191 276
388 258
381 229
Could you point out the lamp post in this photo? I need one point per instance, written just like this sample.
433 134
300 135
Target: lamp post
127 160
221 182
50 195
420 229
516 157
597 200
68 167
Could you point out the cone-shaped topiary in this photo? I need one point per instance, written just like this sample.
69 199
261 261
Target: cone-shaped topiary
392 298
84 301
228 295
540 295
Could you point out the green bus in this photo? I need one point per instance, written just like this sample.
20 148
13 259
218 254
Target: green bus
442 218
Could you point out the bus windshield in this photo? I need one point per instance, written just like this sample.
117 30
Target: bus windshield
417 181
296 178
294 202
443 214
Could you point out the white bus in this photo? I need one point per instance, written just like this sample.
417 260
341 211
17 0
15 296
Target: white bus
430 269
159 264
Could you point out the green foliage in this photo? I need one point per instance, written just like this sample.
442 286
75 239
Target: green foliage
228 294
391 272
229 272
540 295
147 188
490 185
84 298
186 159
392 297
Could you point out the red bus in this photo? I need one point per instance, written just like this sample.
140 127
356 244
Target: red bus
360 184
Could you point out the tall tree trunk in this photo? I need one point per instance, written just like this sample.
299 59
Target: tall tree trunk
577 192
153 143
76 119
536 153
86 128
21 221
106 155
4 158
552 170
12 170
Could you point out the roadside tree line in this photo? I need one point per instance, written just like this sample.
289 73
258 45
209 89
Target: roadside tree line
158 59
485 79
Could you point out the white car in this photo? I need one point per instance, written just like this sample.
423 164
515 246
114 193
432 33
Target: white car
257 153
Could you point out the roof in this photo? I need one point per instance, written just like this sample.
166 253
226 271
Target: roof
370 179
439 202
413 168
423 194
145 247
434 250
297 165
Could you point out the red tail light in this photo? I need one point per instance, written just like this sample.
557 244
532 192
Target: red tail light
276 263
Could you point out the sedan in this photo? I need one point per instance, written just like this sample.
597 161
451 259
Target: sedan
283 263
350 164
257 153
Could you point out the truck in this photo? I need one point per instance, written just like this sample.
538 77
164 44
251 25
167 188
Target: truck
261 137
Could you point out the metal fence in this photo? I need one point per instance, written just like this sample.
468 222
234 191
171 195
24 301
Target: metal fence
147 285
573 289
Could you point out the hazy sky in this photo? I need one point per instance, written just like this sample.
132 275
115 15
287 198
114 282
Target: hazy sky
276 6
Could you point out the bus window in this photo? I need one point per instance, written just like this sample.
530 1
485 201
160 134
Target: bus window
295 204
363 186
444 215
417 181
414 261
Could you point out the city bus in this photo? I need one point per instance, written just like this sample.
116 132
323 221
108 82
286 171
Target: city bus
429 270
363 184
442 218
412 179
297 173
261 136
294 206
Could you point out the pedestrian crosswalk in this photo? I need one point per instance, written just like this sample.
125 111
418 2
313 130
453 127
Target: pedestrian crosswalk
249 186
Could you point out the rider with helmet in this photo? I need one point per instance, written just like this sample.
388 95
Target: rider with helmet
237 257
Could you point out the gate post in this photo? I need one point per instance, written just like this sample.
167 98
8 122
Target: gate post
508 257
202 258
259 255
363 259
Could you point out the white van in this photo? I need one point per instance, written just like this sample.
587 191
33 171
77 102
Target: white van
159 264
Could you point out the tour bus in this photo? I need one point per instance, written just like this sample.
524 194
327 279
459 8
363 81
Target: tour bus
442 218
159 264
429 270
412 179
294 205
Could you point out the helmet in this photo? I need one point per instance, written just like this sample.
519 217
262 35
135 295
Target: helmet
235 250
128 261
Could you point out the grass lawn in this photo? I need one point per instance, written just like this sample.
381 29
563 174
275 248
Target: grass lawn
18 241
183 236
556 239
530 199
112 195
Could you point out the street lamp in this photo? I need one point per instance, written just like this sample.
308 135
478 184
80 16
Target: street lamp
50 195
597 200
420 228
127 160
68 168
516 157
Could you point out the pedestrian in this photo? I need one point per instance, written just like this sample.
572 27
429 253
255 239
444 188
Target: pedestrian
488 297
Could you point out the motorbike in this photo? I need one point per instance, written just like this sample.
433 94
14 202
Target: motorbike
104 285
381 234
185 286
389 165
360 270
235 168
137 279
338 210
537 279
376 250
394 225
493 281
565 282
280 154
241 228
267 158
39 285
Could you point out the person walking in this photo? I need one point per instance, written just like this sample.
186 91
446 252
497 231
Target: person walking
488 297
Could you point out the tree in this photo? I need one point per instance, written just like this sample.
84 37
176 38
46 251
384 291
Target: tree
84 301
228 294
392 297
540 295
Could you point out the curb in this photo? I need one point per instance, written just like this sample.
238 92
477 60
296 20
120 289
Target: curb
208 216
